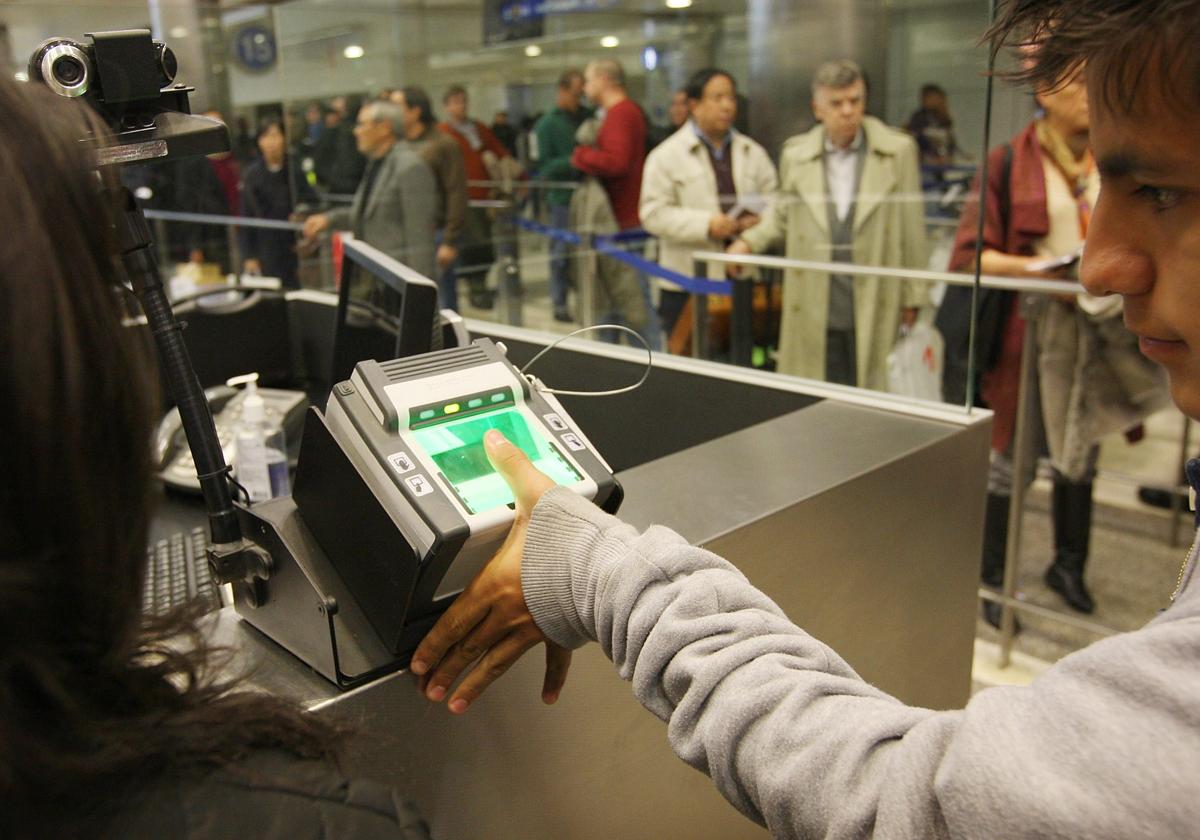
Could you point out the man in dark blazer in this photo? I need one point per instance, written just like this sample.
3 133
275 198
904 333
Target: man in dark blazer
395 208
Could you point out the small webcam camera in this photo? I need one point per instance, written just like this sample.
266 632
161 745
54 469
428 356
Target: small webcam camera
117 68
129 79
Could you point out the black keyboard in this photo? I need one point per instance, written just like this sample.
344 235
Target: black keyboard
177 572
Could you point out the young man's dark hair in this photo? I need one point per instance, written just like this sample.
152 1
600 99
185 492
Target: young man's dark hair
694 89
452 91
1117 39
931 88
417 97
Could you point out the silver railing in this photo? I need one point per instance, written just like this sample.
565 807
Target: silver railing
1032 291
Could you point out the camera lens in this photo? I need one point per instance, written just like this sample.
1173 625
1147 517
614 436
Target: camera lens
63 65
68 71
168 64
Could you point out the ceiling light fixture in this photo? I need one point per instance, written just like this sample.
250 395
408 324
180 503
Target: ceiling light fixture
354 51
679 4
533 51
610 41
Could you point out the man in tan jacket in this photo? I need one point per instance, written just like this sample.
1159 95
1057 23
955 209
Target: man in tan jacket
703 185
850 192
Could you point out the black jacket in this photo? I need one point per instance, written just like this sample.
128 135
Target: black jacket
273 195
271 796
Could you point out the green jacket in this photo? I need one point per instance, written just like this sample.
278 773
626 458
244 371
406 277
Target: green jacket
555 133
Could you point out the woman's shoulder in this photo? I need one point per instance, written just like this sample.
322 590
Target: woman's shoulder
270 794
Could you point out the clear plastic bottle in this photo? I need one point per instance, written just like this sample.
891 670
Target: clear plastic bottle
261 460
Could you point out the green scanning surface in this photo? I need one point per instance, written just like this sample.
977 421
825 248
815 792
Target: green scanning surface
457 448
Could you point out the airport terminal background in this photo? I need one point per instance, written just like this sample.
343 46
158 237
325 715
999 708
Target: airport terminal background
291 59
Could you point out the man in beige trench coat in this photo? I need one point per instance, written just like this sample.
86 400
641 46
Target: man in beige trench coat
850 192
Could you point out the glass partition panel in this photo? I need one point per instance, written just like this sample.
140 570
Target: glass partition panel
565 227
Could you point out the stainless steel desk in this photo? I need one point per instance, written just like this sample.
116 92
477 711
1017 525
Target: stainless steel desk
862 519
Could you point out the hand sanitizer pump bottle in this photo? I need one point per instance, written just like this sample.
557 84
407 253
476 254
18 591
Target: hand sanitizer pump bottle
260 462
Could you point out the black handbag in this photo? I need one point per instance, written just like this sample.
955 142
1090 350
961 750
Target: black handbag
953 319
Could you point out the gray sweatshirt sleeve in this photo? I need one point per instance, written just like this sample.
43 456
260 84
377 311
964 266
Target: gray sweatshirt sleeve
794 739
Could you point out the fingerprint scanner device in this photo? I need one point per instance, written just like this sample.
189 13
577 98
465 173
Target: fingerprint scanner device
396 487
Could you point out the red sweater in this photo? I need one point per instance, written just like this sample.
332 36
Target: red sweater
617 159
1028 220
473 158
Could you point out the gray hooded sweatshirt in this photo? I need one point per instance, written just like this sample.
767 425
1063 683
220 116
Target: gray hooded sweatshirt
1105 744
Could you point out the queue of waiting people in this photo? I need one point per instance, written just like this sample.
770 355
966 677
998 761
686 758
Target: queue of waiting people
624 164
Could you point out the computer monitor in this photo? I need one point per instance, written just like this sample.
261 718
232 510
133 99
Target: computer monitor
386 310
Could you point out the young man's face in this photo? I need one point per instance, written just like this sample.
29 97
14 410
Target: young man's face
1144 239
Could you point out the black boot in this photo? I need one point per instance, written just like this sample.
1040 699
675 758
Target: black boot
995 543
1072 513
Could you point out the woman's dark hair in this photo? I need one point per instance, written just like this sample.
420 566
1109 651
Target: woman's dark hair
267 124
1118 40
92 697
694 89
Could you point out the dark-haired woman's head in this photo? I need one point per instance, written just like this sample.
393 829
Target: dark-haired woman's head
76 389
78 397
272 140
90 696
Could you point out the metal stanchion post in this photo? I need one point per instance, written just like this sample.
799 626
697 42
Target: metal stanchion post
1185 449
700 326
161 246
587 264
235 250
741 322
1030 310
510 270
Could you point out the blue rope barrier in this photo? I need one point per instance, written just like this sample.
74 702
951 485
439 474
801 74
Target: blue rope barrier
608 245
567 236
631 235
694 285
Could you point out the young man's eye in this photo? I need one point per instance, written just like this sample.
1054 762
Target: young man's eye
1161 198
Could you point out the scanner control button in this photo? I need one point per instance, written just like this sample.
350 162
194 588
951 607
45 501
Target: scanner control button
345 389
573 443
400 462
419 485
555 422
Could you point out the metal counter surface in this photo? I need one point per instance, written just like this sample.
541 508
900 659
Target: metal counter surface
849 517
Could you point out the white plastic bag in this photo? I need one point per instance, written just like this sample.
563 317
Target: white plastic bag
915 363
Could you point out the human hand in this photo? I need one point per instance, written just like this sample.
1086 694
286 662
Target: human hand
446 254
740 248
747 221
315 224
252 266
722 227
489 623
